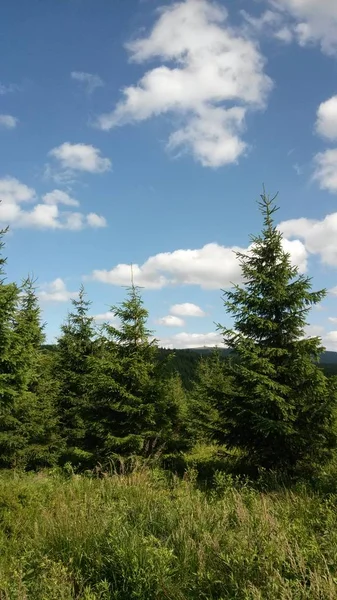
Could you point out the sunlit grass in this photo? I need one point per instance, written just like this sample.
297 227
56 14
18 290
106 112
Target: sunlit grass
148 536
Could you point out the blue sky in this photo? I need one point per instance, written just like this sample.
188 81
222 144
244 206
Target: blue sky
141 132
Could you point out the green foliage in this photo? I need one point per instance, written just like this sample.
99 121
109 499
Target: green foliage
281 411
39 422
133 408
11 435
146 536
28 428
72 370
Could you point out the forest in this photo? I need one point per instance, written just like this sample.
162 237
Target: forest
133 472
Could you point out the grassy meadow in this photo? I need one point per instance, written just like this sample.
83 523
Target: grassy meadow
149 535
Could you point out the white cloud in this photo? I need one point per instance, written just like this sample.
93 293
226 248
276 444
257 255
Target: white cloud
314 331
80 157
311 21
13 191
269 22
333 319
307 22
8 121
43 215
192 340
326 124
171 321
90 80
211 267
187 310
212 136
213 77
325 171
95 220
60 197
319 236
325 163
284 34
330 340
56 291
107 316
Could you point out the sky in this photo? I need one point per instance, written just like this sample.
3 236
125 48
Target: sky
141 132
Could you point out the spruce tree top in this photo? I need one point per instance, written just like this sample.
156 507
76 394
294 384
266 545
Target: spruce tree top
272 306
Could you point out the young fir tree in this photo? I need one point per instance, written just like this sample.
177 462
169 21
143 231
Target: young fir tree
72 365
38 419
12 438
281 409
133 413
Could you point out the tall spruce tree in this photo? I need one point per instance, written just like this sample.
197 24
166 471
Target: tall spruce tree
281 410
38 420
132 412
72 365
12 439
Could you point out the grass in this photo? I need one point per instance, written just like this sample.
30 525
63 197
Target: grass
148 535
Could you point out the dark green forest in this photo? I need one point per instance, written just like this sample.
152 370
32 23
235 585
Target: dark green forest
185 362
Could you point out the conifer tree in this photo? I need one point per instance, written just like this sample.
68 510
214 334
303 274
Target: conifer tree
11 438
75 348
38 420
281 410
132 412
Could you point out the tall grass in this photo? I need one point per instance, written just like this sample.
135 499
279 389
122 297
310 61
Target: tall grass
150 536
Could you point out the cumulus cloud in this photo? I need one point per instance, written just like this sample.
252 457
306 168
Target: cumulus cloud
95 220
314 331
209 77
89 80
270 22
319 235
187 309
107 316
171 321
56 291
330 340
60 197
13 191
326 124
44 214
310 21
80 157
192 340
8 122
325 163
307 22
210 267
325 169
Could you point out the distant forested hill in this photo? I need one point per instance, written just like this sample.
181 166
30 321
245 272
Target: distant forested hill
185 361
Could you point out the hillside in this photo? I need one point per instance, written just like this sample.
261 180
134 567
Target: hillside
185 362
